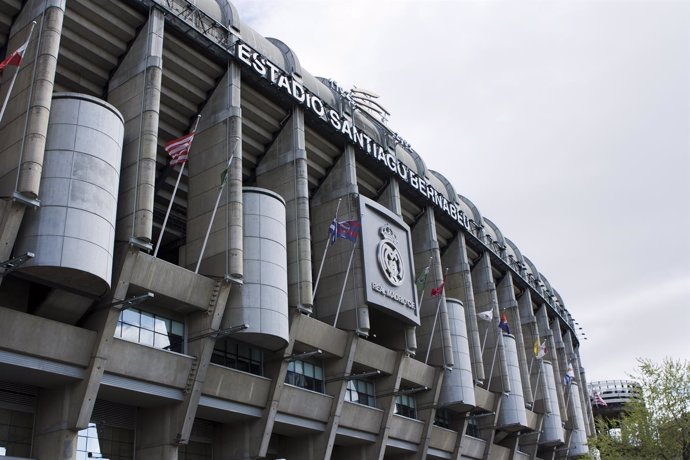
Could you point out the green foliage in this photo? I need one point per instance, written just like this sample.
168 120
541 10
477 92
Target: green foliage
657 424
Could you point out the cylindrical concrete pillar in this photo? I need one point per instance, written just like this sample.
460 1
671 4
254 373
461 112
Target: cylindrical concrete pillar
552 429
263 301
457 390
578 438
39 106
512 415
73 232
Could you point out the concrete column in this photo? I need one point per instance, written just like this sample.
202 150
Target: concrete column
104 322
582 387
460 287
530 334
261 430
339 185
426 403
487 427
509 304
437 343
11 215
53 437
36 97
486 299
154 428
135 90
562 359
24 125
387 387
340 369
588 406
200 324
218 139
547 334
233 441
283 169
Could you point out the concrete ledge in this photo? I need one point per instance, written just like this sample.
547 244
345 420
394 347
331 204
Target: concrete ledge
175 287
149 364
48 339
443 439
406 429
317 334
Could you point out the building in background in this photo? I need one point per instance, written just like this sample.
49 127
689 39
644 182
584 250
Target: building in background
609 397
317 291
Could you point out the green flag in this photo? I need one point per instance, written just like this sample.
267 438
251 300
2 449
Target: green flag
421 279
224 177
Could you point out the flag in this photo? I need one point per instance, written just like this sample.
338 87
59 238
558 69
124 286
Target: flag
15 58
598 400
569 375
224 177
421 278
487 315
437 291
539 349
348 229
503 324
178 149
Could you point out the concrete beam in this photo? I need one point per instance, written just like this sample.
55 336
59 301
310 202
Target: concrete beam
202 349
324 442
388 386
429 399
460 287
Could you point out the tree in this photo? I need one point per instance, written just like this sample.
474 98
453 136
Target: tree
656 425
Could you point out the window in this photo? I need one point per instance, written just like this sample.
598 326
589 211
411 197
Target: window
472 428
361 392
443 418
306 375
148 329
406 405
238 356
87 443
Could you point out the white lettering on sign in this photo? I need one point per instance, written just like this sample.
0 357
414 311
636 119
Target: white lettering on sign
346 127
391 294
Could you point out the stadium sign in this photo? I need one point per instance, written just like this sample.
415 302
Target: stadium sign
345 126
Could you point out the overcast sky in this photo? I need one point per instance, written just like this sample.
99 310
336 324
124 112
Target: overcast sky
567 123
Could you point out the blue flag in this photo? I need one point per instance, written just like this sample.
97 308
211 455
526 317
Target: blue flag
348 229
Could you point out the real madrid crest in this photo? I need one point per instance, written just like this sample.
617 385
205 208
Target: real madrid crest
390 260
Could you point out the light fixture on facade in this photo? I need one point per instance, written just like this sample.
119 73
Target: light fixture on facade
306 354
17 261
126 303
220 333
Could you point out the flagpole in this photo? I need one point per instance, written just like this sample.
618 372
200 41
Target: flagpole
172 197
536 389
325 251
16 72
493 360
342 291
433 328
215 208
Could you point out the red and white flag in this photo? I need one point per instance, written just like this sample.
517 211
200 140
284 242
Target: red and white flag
178 149
15 58
598 400
437 291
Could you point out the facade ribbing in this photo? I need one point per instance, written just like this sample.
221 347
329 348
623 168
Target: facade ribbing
318 291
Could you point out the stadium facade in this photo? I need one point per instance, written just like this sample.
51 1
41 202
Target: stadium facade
317 292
